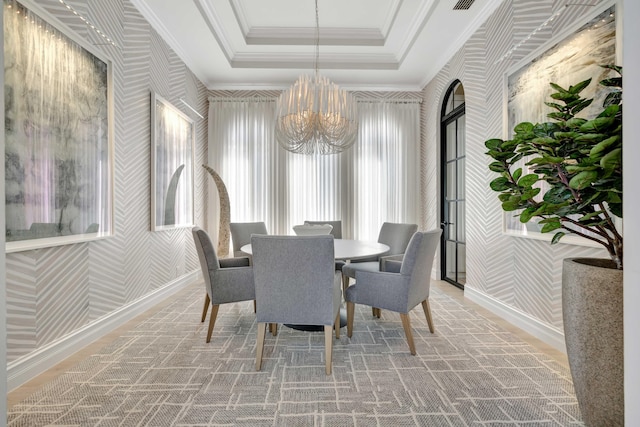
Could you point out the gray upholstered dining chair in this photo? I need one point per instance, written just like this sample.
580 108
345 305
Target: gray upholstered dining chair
336 232
296 283
241 234
399 292
226 280
396 236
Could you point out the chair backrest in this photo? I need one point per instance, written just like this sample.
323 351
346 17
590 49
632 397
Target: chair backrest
241 234
417 263
206 254
396 236
336 231
294 279
312 229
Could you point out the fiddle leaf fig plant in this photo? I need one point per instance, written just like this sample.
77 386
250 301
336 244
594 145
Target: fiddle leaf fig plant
572 182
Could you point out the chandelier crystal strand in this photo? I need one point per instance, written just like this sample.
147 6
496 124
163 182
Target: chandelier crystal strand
314 116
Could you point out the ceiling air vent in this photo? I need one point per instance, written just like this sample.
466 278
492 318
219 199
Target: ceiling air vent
463 4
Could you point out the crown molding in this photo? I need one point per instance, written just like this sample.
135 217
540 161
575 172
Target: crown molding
307 36
306 61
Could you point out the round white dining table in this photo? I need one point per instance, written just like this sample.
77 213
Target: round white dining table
347 249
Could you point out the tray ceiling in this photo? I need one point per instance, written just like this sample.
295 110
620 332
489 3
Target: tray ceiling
364 44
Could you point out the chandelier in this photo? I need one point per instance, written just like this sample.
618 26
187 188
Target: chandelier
314 116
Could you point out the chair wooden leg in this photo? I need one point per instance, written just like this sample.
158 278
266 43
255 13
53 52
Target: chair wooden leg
350 309
378 312
345 285
207 300
373 311
254 306
406 324
336 325
427 313
212 320
328 348
273 328
262 330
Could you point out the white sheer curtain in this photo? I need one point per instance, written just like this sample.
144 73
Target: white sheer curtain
384 166
376 181
315 186
243 151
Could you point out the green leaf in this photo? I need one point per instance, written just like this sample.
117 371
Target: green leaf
576 89
597 124
614 67
559 116
613 81
517 174
583 180
565 135
509 145
510 206
558 88
612 159
530 194
579 168
545 160
554 105
603 145
492 144
545 129
528 180
590 215
497 167
564 96
526 215
503 197
581 106
590 137
523 127
550 226
575 122
500 184
557 237
610 111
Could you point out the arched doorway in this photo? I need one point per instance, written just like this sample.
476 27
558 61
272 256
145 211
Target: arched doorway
452 194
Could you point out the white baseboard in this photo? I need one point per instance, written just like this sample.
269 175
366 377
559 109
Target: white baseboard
544 332
27 367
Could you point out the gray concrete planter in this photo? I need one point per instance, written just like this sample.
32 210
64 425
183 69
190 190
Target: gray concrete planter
592 315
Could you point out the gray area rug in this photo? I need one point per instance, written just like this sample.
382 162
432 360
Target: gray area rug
162 373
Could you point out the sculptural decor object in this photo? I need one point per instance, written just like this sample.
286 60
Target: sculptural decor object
225 213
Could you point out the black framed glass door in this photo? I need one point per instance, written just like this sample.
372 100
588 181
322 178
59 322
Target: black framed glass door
452 203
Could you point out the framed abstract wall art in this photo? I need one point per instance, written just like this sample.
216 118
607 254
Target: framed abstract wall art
172 159
58 133
572 58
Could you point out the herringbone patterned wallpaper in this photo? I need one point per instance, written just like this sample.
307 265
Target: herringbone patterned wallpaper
522 273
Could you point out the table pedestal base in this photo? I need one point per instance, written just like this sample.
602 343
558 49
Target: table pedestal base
319 328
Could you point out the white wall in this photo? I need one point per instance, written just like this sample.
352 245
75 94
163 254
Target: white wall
631 178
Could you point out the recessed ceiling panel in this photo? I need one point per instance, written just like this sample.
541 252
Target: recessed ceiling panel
384 44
